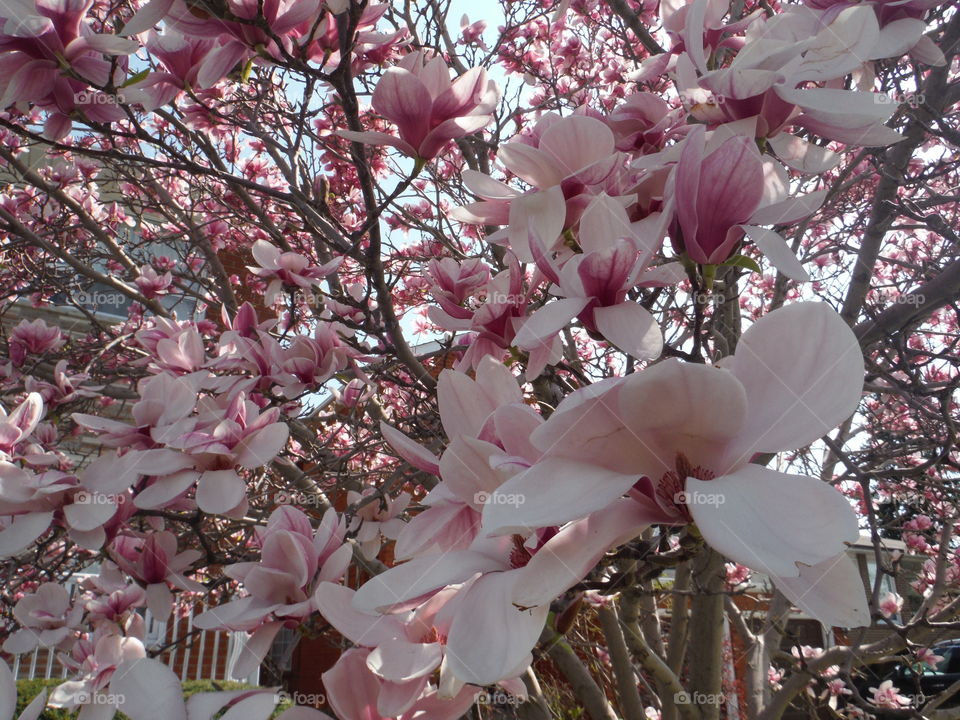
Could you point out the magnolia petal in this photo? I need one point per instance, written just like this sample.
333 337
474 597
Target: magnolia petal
165 489
490 636
482 185
568 556
414 453
419 577
335 566
464 407
927 52
254 650
497 382
802 369
530 164
552 492
159 600
465 468
147 16
378 138
86 516
896 38
35 708
631 328
149 691
395 699
254 707
577 142
866 135
449 130
831 591
111 44
771 521
790 210
219 491
776 250
803 156
301 712
113 474
262 446
334 603
399 660
543 212
218 62
603 223
8 692
350 686
20 533
546 322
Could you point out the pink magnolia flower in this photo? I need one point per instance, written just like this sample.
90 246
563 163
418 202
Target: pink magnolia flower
428 109
47 619
488 424
33 338
899 21
595 282
891 604
929 657
406 649
17 426
797 373
568 160
110 597
642 123
288 270
237 42
722 190
496 321
294 558
151 283
453 283
887 695
45 50
768 78
181 57
376 519
95 660
355 692
307 362
505 583
154 561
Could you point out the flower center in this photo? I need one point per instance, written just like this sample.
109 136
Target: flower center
671 491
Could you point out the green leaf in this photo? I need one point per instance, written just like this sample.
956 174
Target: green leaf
742 261
247 69
135 78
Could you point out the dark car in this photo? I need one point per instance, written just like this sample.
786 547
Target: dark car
919 682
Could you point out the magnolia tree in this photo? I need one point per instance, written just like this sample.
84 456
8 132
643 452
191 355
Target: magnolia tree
517 355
